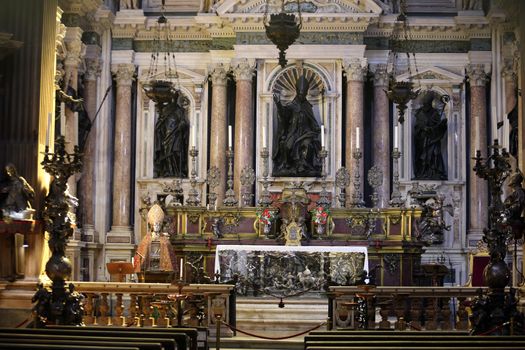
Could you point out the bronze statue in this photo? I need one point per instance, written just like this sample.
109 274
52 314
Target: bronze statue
429 131
171 139
515 205
297 141
18 192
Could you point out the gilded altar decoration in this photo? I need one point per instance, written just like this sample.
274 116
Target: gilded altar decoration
266 218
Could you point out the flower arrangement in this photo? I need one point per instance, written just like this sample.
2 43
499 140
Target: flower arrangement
267 216
320 215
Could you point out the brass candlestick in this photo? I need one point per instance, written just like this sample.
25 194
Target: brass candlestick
265 199
213 178
229 199
357 198
193 196
395 197
342 180
62 304
324 199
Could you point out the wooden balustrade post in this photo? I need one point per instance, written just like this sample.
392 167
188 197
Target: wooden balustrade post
104 311
134 309
384 311
400 307
88 309
416 308
445 314
430 314
119 319
462 314
146 311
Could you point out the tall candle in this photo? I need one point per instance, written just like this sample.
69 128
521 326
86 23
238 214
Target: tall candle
48 130
192 136
322 135
181 268
396 145
264 137
229 136
357 138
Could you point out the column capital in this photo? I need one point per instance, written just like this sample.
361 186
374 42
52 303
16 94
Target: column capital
124 73
75 48
380 74
244 70
476 74
93 68
218 74
507 71
355 68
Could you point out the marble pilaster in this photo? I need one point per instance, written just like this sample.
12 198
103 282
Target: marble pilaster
72 61
124 75
355 72
381 135
218 128
91 75
510 80
478 140
244 123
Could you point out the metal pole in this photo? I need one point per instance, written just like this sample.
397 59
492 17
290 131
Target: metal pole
218 332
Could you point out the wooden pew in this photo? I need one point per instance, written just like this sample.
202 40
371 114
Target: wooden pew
74 343
402 348
198 335
165 343
180 339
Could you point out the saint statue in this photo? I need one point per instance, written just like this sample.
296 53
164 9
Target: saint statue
429 131
17 193
297 141
171 139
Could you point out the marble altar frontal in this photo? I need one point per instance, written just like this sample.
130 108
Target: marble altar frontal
289 270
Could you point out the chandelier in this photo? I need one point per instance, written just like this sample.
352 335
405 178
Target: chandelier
162 80
401 92
283 28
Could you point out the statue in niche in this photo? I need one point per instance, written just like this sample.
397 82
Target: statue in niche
297 143
429 130
171 139
18 193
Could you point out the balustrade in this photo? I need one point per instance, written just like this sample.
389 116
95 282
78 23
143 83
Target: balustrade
154 305
401 308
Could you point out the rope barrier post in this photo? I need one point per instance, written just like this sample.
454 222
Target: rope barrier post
218 332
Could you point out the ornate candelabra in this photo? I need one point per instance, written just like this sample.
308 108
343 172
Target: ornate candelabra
357 198
247 180
342 180
496 313
265 200
230 200
375 179
213 178
175 190
193 196
324 199
395 197
61 305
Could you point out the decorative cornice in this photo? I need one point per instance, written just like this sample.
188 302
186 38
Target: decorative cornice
355 69
476 74
244 70
124 73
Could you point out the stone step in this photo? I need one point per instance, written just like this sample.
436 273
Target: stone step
264 316
247 342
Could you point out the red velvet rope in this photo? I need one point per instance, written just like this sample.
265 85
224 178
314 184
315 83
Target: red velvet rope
23 322
272 338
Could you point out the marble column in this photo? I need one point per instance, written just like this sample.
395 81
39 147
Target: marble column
218 128
355 73
93 69
478 140
244 123
122 153
381 135
74 45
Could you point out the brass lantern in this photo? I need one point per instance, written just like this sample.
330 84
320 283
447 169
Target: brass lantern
283 29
